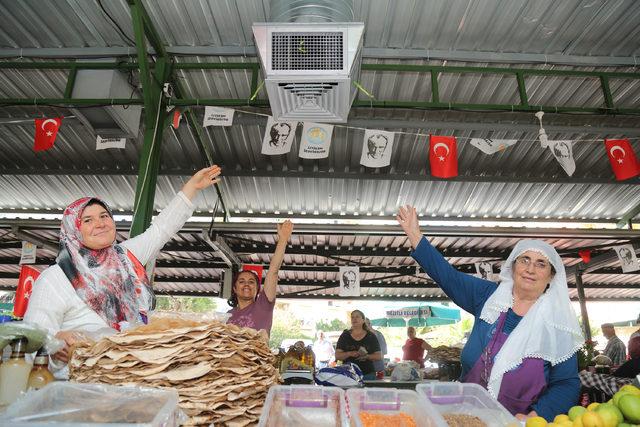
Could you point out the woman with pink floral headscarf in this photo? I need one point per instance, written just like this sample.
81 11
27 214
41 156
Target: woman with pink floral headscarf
97 282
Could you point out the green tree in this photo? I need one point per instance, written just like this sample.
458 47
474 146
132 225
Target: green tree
331 326
185 304
285 327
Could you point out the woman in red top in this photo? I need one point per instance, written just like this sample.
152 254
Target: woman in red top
414 348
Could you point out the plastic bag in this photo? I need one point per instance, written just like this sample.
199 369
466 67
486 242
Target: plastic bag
96 404
347 375
405 371
37 337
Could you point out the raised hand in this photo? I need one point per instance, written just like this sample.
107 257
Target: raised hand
200 180
408 220
284 231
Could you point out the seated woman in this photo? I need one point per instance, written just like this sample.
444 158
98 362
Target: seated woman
359 345
524 340
96 282
252 307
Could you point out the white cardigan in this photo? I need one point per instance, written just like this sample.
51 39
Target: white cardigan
54 304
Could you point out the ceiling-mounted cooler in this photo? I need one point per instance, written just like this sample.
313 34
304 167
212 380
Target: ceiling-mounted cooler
310 68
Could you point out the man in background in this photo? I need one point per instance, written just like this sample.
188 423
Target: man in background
414 348
615 349
378 365
324 351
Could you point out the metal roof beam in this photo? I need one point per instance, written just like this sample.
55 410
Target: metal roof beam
367 52
370 230
231 171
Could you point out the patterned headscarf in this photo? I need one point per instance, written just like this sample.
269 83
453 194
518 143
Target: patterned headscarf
105 279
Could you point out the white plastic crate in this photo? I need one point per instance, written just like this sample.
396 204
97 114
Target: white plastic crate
390 401
468 399
304 405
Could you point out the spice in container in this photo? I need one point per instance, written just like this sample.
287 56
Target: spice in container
40 375
14 373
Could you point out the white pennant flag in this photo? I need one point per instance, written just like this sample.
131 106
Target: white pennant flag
563 152
349 281
627 256
104 143
376 148
484 270
492 146
28 254
278 137
218 116
315 141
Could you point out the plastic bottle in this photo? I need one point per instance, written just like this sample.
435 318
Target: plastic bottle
14 373
40 375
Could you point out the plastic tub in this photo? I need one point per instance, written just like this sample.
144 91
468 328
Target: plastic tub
467 399
385 401
304 405
73 404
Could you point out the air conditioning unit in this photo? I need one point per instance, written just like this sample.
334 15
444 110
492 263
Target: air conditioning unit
111 121
310 68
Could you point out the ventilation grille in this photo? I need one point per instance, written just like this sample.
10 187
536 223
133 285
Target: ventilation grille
307 51
308 90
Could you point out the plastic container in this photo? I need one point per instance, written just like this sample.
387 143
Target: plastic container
304 405
72 404
387 401
467 399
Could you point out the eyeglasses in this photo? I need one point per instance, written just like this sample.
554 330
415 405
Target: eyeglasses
525 261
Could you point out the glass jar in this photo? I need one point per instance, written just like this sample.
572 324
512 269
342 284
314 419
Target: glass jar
40 375
14 373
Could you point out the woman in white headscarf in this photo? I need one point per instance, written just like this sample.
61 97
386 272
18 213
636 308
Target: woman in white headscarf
523 345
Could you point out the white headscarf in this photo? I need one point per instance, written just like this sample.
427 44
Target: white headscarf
550 329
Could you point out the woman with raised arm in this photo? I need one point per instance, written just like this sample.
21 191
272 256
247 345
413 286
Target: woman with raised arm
523 345
252 306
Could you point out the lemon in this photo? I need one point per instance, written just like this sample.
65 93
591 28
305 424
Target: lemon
576 411
536 422
578 421
630 389
560 418
630 407
592 406
611 416
592 419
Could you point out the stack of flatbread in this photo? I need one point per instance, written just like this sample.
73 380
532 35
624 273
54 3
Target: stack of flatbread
222 372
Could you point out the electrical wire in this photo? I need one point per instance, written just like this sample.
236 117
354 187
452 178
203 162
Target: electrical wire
117 26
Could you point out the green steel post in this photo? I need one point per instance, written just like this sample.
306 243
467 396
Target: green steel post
606 90
154 119
71 80
522 89
435 93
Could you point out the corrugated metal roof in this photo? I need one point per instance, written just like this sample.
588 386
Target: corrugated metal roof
523 181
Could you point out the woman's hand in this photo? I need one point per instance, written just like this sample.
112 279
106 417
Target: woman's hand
70 338
200 180
523 417
408 220
284 231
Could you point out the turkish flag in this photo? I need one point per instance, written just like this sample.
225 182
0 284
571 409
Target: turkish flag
255 268
443 156
622 158
177 116
46 132
585 254
28 275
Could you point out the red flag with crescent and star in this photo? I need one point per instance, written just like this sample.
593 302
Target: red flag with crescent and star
443 156
622 158
28 276
46 132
